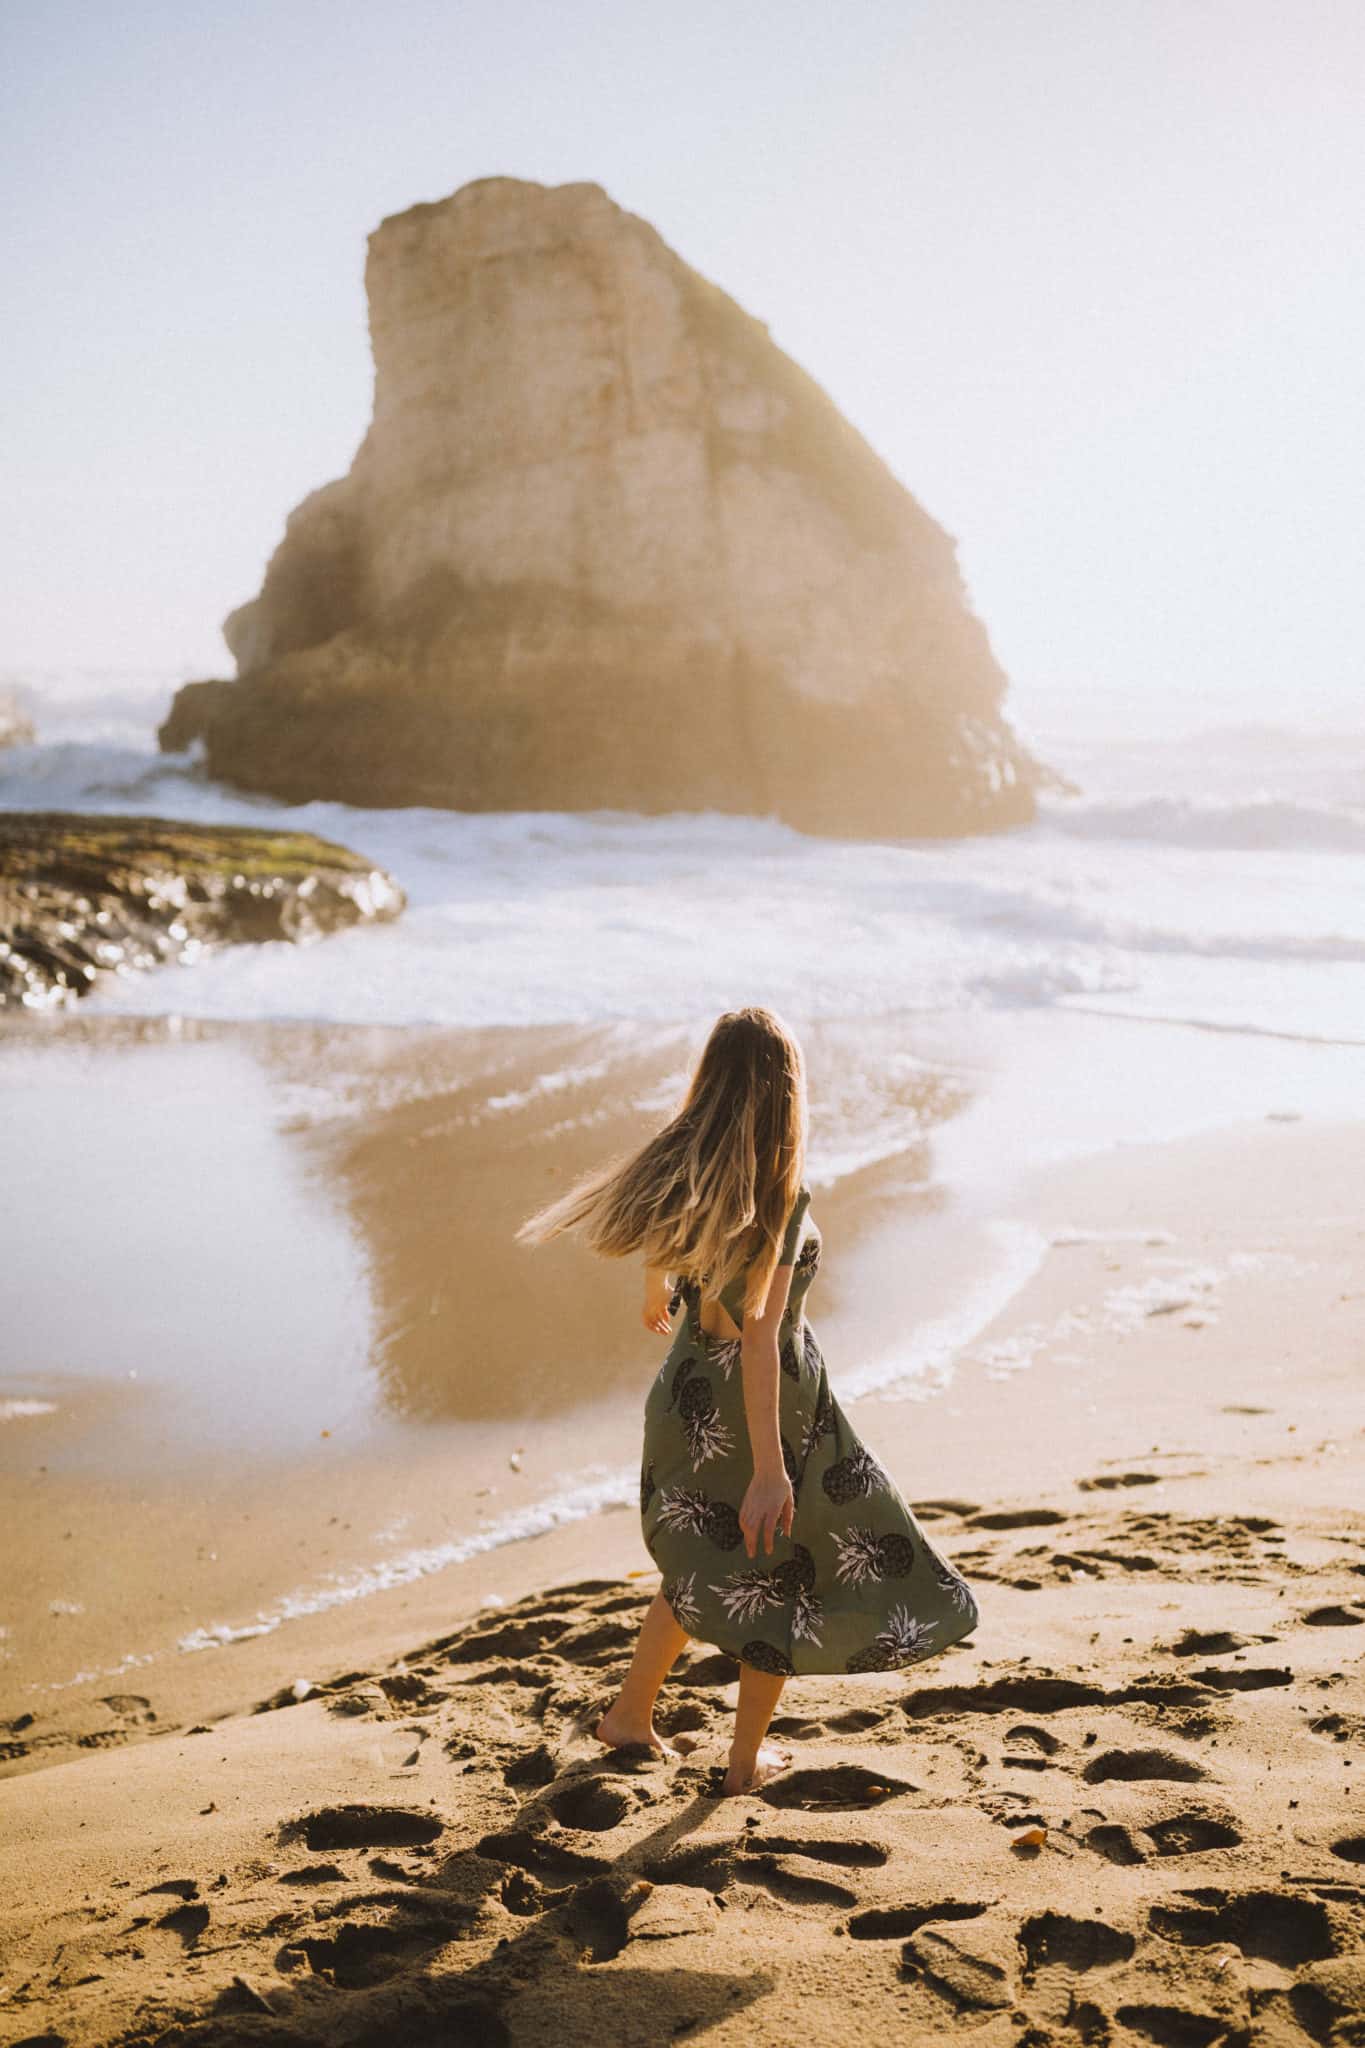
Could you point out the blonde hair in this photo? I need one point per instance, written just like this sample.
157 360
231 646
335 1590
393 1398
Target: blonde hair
710 1194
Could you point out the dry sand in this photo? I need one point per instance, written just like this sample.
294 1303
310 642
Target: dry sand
1123 1812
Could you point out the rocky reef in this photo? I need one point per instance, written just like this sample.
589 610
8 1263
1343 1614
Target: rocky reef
605 544
82 896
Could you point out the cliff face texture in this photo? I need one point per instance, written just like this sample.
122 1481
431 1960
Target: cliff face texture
605 544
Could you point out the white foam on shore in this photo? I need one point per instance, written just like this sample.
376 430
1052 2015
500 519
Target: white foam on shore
927 1366
607 1489
10 1411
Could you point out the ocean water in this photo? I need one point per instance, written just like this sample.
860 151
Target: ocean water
1214 877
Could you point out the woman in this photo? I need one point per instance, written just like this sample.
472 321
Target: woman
745 1444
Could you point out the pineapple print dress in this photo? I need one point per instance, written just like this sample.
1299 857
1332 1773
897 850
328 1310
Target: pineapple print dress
857 1586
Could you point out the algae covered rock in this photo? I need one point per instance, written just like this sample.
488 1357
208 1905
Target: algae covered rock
82 895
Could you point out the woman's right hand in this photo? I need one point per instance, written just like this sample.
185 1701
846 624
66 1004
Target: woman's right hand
768 1505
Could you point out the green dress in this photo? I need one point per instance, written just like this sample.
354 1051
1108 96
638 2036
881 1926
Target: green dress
857 1586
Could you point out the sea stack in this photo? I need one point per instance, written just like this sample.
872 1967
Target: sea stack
605 544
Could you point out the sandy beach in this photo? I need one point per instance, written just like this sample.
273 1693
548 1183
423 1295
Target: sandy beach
1123 1811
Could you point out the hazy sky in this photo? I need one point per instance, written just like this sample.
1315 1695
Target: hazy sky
1089 274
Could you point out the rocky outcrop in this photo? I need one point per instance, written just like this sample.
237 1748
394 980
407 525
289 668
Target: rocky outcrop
81 895
603 543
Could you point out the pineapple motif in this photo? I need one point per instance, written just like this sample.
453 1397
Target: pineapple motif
852 1477
681 1595
788 1359
722 1525
875 1657
859 1555
722 1352
810 1254
682 1509
795 1574
682 1372
694 1513
747 1594
646 1486
898 1556
956 1587
767 1657
807 1616
821 1423
903 1640
863 1554
707 1435
810 1351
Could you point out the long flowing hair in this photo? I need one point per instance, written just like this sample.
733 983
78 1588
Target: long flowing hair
708 1197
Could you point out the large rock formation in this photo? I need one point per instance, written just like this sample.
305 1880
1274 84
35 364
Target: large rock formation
82 896
605 544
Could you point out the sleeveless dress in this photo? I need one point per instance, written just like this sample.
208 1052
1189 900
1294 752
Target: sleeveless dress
857 1586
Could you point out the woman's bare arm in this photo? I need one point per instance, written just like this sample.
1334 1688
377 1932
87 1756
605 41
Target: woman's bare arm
769 1503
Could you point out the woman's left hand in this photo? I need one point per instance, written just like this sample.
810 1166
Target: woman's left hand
654 1314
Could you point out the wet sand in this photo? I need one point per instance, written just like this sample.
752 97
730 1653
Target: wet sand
1149 1464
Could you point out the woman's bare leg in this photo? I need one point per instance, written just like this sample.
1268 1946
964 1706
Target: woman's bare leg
630 1717
752 1760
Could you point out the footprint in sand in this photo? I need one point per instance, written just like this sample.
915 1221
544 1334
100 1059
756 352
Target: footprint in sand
543 1856
599 1913
891 1923
1173 2026
1219 1642
363 1827
130 1707
1233 1678
1275 1927
1189 1834
1017 1518
591 1804
1131 1765
1056 1940
857 1720
1115 1844
359 1955
793 1887
848 1850
1333 1617
833 1788
1032 1749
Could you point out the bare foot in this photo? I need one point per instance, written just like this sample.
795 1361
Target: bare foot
766 1764
619 1734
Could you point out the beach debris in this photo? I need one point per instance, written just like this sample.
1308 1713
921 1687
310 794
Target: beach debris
515 1459
492 1600
302 1687
1029 1838
251 1992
